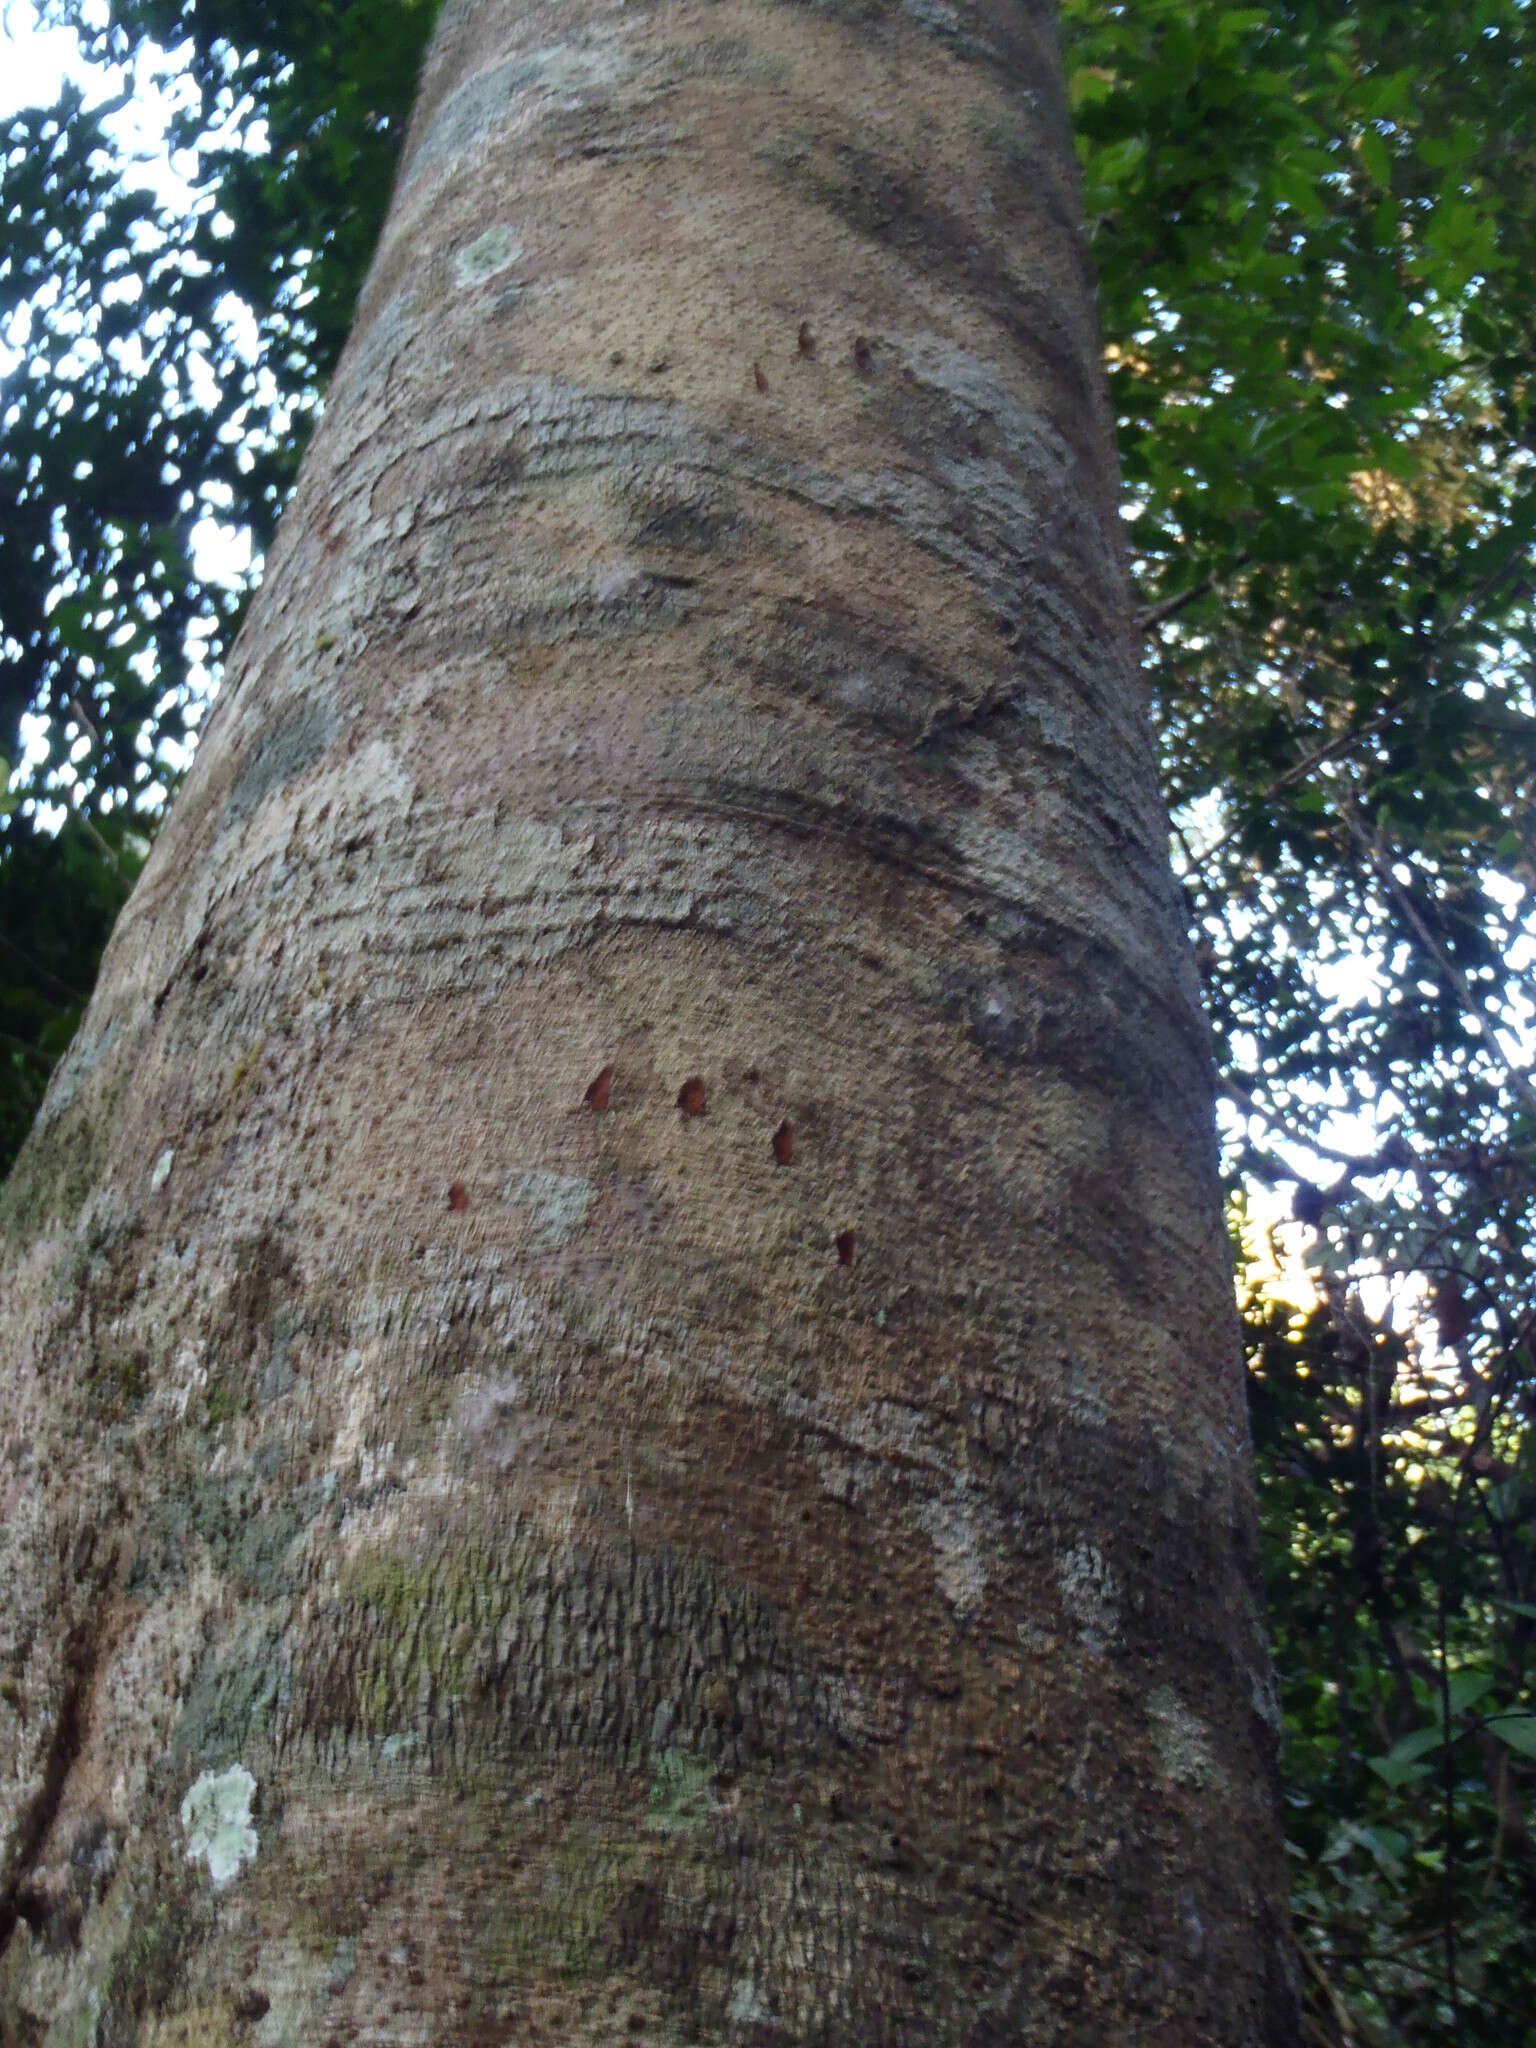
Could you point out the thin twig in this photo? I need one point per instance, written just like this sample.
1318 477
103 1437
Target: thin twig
1393 1959
1338 2010
40 970
1397 1157
1158 614
1343 741
32 1051
1448 1784
1328 751
1184 847
1379 859
100 844
1236 1093
83 718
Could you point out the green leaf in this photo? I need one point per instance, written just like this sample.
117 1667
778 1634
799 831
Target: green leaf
1418 1744
1387 95
1236 22
1396 1775
1376 158
1090 85
1466 1688
1120 161
1518 1731
1385 1844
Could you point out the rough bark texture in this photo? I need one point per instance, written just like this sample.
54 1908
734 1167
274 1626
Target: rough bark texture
502 1544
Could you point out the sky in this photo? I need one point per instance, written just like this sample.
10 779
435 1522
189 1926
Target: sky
34 63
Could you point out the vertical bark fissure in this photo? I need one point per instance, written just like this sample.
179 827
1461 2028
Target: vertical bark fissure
38 1814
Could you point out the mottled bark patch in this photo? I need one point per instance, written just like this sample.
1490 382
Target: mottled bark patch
853 667
461 1650
281 755
675 509
1057 998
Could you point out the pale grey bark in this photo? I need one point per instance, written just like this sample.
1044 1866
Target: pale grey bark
492 1560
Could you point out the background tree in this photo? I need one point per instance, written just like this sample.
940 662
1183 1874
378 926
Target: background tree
618 1338
1313 227
146 408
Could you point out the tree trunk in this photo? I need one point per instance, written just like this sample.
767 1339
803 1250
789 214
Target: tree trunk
622 1413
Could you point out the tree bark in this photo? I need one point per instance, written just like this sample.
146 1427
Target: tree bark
622 1407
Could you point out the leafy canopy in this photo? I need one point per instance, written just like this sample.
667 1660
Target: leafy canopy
1314 230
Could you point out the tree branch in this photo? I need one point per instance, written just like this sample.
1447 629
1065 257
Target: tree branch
1370 844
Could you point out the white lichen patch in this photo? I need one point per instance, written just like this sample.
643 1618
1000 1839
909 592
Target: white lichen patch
841 1480
1090 1597
78 2022
682 1798
557 1203
76 1067
933 17
496 250
191 1374
162 1172
504 1426
375 1464
1180 1739
1080 1398
1265 1694
216 1814
746 2008
952 1528
1040 1642
298 1980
